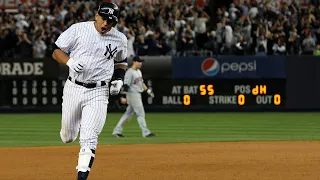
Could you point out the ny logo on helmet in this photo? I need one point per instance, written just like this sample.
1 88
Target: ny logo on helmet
107 10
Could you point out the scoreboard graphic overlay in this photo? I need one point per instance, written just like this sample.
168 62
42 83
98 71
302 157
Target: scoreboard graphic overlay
220 94
30 93
209 94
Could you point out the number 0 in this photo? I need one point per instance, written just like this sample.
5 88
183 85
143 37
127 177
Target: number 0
241 99
277 99
186 100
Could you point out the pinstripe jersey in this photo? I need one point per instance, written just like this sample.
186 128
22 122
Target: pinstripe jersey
98 52
133 78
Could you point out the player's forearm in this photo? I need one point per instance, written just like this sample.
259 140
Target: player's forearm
144 86
146 89
60 56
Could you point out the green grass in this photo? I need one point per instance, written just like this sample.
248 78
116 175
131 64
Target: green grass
43 129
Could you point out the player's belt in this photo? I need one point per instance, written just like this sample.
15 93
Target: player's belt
88 85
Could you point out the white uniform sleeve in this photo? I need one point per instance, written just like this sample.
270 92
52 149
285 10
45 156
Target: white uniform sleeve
121 57
66 40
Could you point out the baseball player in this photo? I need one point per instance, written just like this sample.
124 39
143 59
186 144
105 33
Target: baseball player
133 87
94 51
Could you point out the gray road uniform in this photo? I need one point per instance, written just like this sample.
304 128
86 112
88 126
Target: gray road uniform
133 78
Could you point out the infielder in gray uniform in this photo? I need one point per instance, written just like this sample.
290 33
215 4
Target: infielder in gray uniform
94 51
133 87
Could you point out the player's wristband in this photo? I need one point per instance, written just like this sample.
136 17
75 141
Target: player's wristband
119 73
148 91
70 61
122 95
125 88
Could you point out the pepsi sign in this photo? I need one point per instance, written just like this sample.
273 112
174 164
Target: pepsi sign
229 67
239 67
210 67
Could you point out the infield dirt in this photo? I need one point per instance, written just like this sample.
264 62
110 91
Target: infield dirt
189 161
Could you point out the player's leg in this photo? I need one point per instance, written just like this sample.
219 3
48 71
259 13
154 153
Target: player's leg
71 113
135 101
117 131
93 119
139 110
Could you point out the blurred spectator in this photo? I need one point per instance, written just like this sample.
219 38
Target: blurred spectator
171 39
241 46
308 44
293 43
279 48
234 12
253 12
201 29
317 51
24 45
271 39
237 33
152 43
130 34
219 37
228 38
142 46
261 44
212 44
173 28
50 45
261 51
39 48
188 41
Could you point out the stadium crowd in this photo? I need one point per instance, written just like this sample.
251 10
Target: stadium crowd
178 29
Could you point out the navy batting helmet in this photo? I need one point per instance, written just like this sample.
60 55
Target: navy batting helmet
109 11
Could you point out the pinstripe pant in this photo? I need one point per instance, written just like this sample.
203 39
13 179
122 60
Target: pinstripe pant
84 110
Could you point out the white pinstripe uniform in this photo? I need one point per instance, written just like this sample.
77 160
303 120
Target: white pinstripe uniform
133 78
85 109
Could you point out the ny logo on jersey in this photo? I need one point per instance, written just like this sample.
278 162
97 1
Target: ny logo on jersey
110 52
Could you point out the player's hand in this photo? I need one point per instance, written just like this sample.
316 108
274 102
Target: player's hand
123 100
115 87
150 93
75 66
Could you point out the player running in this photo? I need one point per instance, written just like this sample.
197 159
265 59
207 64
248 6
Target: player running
97 51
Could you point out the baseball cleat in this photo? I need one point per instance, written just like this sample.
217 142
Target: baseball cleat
118 135
150 135
83 175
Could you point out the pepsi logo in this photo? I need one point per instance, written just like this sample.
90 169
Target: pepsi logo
210 67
